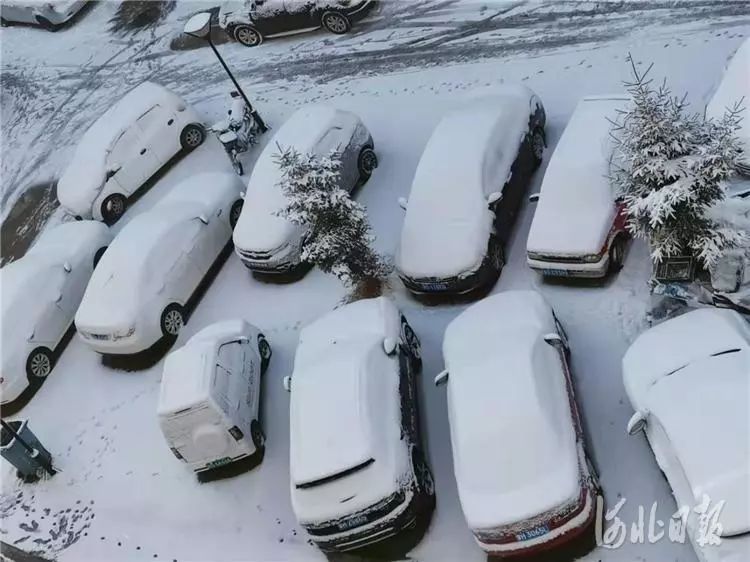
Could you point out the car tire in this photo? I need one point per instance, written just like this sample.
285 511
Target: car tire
247 35
113 207
537 146
497 256
237 166
367 161
423 475
172 321
265 352
235 212
3 22
411 341
192 136
617 254
39 364
335 22
257 435
46 24
98 255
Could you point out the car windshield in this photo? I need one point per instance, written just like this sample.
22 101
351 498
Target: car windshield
337 476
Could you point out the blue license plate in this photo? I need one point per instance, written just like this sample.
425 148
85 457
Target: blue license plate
556 272
539 531
219 462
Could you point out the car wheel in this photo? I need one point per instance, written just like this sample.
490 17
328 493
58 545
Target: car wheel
366 163
98 255
235 212
264 350
537 146
617 254
113 207
498 255
335 22
238 169
172 320
3 22
422 473
39 364
46 24
192 136
248 36
256 434
412 342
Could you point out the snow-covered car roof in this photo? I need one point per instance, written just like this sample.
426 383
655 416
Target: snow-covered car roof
259 228
468 156
703 409
339 361
576 206
734 86
70 238
671 345
188 371
135 264
514 442
86 171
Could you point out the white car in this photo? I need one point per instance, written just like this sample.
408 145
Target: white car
209 401
143 286
358 471
467 191
268 243
524 479
688 380
40 295
579 228
127 145
733 89
50 14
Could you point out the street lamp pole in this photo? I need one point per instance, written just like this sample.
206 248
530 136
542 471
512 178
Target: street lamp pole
200 26
262 127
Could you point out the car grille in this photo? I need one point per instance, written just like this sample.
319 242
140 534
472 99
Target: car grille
557 259
359 518
258 256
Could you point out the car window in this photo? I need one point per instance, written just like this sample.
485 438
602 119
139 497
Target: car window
330 141
125 147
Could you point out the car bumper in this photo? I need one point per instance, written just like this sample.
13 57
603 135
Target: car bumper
12 388
361 9
103 342
456 285
285 261
403 517
569 531
565 269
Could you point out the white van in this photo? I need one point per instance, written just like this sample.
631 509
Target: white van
210 395
123 148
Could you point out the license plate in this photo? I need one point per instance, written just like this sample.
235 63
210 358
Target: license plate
556 272
533 533
262 265
219 462
353 522
435 286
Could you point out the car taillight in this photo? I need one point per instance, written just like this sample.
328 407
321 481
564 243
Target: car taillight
176 453
236 432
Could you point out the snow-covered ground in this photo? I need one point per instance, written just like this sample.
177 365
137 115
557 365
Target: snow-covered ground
121 494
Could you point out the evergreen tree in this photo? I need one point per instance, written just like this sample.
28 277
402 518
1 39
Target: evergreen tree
340 238
673 166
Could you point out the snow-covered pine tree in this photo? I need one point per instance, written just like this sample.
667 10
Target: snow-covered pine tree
672 167
340 238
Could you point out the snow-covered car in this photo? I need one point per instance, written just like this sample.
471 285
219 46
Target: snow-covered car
50 14
689 384
144 283
358 470
250 22
524 479
467 191
40 295
268 243
579 228
209 400
124 147
733 89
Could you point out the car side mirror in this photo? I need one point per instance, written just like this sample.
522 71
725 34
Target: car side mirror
533 198
402 202
242 195
441 378
553 339
494 197
287 382
203 219
111 172
389 346
67 267
636 423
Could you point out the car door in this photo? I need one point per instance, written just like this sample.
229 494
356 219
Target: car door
299 14
128 162
332 140
173 261
206 245
270 16
230 359
52 319
157 135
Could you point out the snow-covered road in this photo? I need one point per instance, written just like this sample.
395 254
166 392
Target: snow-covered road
126 496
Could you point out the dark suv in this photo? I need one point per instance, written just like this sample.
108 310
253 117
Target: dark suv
251 21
